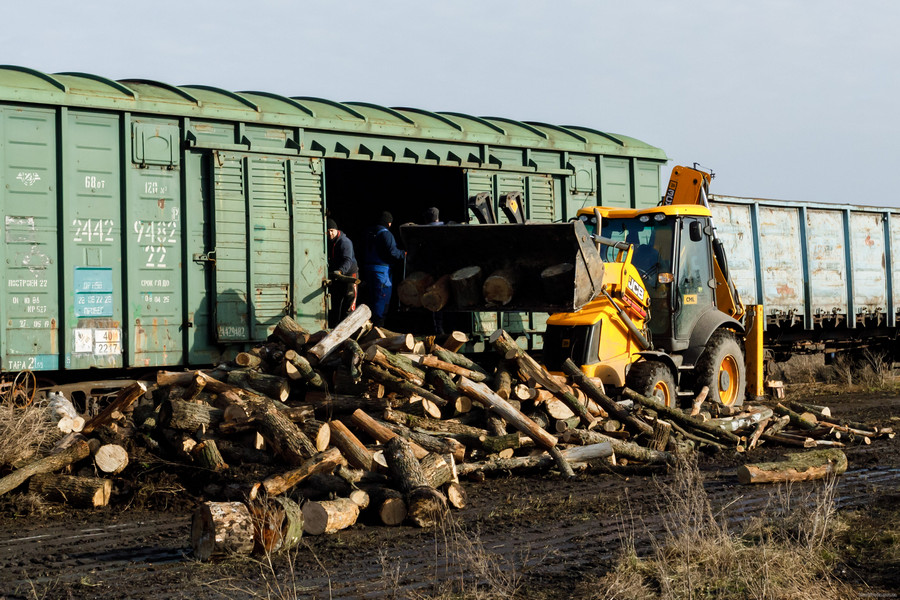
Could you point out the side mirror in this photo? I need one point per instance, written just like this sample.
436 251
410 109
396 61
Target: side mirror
696 232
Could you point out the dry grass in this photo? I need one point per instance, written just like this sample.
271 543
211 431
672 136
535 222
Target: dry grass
463 568
784 555
24 431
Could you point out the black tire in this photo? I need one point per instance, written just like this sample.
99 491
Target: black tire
654 379
722 368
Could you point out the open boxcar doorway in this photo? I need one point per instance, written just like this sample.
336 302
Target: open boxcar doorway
356 193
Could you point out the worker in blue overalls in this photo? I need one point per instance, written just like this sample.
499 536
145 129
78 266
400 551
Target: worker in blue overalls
380 254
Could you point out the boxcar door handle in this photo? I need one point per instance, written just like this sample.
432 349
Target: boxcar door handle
207 257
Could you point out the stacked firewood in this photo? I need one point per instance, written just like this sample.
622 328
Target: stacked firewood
363 423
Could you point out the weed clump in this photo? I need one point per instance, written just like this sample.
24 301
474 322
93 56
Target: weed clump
784 554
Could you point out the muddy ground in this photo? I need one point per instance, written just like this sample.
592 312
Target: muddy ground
555 536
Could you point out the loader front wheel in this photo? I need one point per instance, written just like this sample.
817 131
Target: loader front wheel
654 379
721 367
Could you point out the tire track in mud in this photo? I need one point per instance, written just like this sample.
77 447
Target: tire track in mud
585 535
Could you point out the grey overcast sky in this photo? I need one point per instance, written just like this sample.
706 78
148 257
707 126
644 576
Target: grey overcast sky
786 99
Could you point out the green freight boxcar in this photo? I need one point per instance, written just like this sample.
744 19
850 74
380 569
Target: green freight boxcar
150 225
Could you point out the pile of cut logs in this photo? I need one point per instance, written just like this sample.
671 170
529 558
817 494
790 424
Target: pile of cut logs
359 422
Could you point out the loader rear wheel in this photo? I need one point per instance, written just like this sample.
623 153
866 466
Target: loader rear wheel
654 379
721 367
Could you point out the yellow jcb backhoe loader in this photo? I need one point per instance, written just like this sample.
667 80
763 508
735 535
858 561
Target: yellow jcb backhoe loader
636 297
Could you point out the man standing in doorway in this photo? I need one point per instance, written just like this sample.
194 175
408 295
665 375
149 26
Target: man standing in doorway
343 269
380 254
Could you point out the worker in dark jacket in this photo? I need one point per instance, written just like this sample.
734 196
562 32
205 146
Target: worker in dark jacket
381 253
342 266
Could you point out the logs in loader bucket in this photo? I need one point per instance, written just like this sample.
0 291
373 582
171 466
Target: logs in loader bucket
533 267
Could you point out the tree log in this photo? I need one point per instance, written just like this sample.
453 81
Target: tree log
302 370
605 402
329 516
124 399
318 432
206 454
576 455
801 466
457 359
436 363
221 528
323 462
79 492
291 334
387 505
679 416
411 289
502 381
399 385
425 505
285 437
437 296
341 333
111 458
380 432
621 448
189 416
504 344
396 363
456 495
454 341
500 287
77 450
353 450
272 386
466 284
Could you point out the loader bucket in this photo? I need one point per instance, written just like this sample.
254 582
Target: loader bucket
552 267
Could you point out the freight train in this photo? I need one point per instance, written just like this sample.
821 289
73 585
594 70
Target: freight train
152 225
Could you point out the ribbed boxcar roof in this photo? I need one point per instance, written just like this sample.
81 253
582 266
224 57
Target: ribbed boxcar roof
82 90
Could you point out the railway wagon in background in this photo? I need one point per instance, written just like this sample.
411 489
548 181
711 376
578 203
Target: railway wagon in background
826 275
150 225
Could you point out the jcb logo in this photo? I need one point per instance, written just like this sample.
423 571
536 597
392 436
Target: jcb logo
636 288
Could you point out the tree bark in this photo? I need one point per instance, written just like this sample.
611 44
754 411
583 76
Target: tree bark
221 528
681 418
802 466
